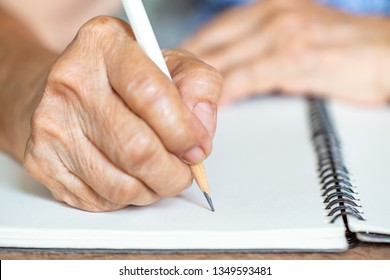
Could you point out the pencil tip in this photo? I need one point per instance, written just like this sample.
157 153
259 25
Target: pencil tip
210 202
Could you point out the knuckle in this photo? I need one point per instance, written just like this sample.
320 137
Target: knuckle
214 82
62 73
178 53
101 35
69 69
216 76
44 124
102 25
153 90
141 149
67 80
126 194
30 164
39 121
39 152
208 73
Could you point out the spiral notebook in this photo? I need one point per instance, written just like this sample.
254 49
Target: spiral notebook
285 174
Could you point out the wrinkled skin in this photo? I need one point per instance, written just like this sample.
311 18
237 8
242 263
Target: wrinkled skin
112 130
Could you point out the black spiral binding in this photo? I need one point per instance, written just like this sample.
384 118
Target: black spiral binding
338 190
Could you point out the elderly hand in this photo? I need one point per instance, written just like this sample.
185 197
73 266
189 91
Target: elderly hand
112 130
297 47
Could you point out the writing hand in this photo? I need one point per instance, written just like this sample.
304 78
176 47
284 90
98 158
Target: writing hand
112 130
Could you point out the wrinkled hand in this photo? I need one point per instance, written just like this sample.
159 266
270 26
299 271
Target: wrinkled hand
112 130
297 47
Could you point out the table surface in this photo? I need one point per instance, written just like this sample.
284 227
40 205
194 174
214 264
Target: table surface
364 251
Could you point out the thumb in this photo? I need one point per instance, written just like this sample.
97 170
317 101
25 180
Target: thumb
199 84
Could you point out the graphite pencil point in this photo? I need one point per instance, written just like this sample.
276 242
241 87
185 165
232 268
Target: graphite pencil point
210 202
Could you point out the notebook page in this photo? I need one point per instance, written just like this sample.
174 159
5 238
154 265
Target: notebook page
263 182
365 135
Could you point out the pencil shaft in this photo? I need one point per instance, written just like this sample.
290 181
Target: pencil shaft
144 34
143 31
200 177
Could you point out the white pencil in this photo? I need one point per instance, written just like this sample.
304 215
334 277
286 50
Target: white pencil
144 34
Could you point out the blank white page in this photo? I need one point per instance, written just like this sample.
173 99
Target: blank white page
365 135
263 182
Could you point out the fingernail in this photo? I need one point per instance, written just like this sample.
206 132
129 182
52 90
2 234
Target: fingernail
206 114
195 155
